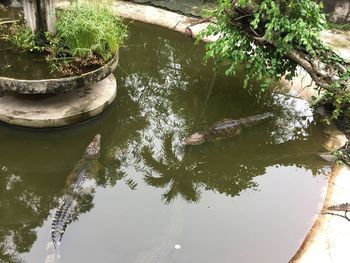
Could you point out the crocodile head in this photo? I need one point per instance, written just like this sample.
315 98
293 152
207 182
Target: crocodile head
194 139
93 149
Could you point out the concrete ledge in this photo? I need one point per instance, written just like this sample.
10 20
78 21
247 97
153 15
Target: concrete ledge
329 238
58 110
156 16
44 86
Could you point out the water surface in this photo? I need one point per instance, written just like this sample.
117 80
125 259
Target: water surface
251 198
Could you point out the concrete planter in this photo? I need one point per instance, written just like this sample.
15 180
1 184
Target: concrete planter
59 110
59 85
47 103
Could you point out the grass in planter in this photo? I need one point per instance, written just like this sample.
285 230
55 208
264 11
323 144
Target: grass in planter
88 29
20 36
88 35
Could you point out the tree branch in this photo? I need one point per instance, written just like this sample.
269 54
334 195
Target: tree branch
324 74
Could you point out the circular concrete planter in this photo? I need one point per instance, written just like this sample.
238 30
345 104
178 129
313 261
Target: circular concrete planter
46 103
58 110
53 86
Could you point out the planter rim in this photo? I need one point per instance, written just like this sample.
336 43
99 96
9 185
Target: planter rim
60 110
58 85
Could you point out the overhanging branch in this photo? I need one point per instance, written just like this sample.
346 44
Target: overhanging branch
325 74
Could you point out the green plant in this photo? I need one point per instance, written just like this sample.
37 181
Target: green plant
270 38
20 36
345 27
88 29
341 156
88 35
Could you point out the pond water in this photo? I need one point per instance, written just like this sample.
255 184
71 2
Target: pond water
251 198
11 61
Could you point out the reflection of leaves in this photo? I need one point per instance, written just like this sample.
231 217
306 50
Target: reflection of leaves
131 183
174 100
25 204
110 176
184 188
84 203
6 255
158 167
172 173
178 185
294 120
167 148
23 236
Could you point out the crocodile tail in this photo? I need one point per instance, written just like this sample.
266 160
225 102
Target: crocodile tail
255 119
54 255
62 218
340 207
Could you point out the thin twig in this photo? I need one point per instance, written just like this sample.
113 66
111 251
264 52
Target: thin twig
334 214
8 22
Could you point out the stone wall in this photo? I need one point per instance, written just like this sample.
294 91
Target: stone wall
12 3
338 10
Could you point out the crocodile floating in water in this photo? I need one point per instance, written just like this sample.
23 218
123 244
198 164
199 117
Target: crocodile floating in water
344 207
225 128
81 185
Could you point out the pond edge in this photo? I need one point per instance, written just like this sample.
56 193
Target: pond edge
322 243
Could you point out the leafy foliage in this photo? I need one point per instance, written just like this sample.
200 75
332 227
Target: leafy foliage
286 23
344 27
88 29
87 36
260 36
21 36
342 156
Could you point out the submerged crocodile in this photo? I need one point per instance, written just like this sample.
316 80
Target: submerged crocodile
344 207
226 128
80 186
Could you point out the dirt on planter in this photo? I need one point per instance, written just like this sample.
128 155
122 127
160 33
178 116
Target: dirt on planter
80 65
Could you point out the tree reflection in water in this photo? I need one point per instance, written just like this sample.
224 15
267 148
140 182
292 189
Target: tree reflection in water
188 176
164 94
177 97
178 175
8 254
24 206
204 167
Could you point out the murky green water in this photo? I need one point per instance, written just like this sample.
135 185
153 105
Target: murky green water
12 59
246 199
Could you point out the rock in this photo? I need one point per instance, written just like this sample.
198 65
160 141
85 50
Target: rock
15 3
336 139
328 157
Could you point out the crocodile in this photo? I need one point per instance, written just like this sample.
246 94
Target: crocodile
344 207
80 186
225 128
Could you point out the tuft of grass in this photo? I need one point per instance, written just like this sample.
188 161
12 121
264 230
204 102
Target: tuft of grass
344 27
20 36
88 29
88 35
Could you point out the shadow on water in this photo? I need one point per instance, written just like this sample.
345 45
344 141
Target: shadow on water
165 93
